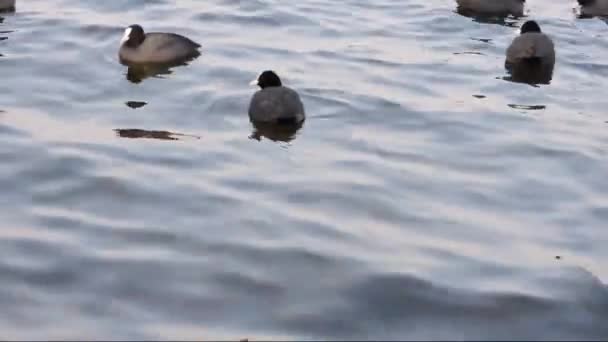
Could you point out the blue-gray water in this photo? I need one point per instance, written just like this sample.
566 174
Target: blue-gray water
425 196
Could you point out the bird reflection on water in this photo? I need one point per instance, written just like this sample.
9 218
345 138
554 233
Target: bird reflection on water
136 73
530 73
277 132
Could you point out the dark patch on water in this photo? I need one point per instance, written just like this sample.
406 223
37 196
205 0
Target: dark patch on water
483 40
469 53
284 132
135 133
527 107
135 104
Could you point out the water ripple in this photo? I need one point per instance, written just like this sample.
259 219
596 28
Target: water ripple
423 198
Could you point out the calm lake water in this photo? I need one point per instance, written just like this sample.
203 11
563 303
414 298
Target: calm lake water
425 197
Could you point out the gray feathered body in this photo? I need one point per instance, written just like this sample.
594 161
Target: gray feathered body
495 7
274 104
531 58
531 45
7 5
162 48
595 8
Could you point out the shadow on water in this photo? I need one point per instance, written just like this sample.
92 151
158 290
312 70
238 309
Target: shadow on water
134 133
136 73
276 132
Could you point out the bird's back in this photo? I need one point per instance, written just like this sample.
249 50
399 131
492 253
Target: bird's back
160 48
276 104
514 7
531 45
593 8
7 5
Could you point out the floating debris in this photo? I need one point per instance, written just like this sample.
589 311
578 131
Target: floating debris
479 96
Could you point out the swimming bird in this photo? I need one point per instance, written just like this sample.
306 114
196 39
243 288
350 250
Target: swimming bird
138 47
7 5
531 55
492 7
594 7
275 103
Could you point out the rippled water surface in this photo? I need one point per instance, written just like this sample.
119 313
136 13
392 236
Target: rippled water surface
424 197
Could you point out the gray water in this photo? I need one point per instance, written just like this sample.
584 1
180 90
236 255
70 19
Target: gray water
425 196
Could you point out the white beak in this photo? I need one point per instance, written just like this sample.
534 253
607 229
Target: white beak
126 37
254 82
